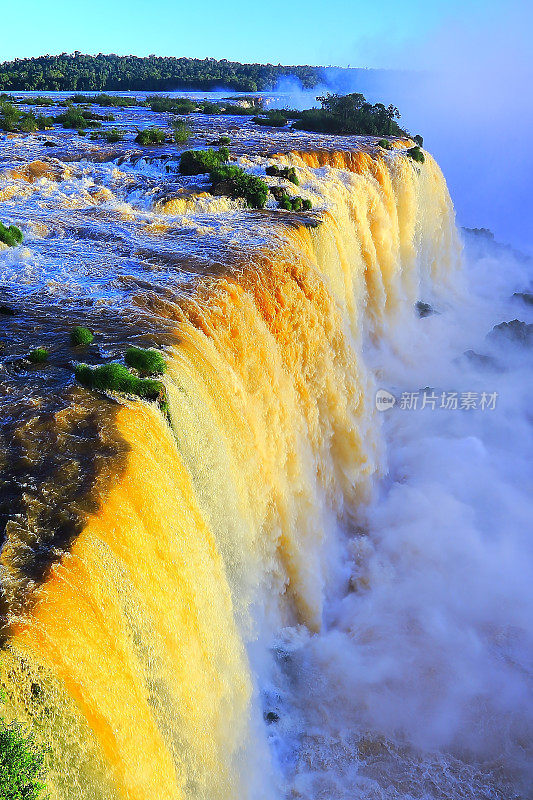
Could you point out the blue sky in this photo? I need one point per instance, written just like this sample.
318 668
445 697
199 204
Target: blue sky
288 31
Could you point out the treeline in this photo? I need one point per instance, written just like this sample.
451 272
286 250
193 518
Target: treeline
78 72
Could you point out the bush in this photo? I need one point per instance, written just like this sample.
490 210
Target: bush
418 139
416 154
21 766
117 378
237 183
180 131
207 107
196 162
273 119
90 115
224 141
117 102
385 144
39 355
12 119
150 136
113 136
28 123
40 101
284 201
237 110
105 100
44 122
283 172
180 105
289 203
11 236
146 362
76 119
81 336
9 116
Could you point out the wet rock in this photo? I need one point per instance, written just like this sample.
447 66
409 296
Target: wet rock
484 233
481 361
222 188
424 309
7 311
270 717
277 192
514 331
525 297
36 691
48 143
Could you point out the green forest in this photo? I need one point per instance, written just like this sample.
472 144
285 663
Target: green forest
153 73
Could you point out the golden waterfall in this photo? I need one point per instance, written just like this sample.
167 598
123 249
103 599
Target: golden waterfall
131 666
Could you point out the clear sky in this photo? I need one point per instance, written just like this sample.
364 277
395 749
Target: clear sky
338 32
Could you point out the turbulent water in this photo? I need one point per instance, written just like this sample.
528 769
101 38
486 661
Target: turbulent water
280 591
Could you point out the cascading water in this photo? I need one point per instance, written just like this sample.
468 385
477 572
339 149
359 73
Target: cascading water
183 641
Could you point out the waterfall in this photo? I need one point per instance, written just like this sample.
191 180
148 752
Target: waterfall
138 660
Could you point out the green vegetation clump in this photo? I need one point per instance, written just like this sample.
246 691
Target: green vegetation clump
234 181
180 105
283 172
105 100
273 119
208 107
14 120
351 114
418 139
416 154
116 377
39 355
385 144
181 133
237 183
105 73
145 361
113 136
224 141
81 336
150 136
11 236
236 110
40 101
9 117
44 123
21 765
92 115
76 119
289 203
197 162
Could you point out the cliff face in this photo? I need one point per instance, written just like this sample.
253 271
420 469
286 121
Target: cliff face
128 652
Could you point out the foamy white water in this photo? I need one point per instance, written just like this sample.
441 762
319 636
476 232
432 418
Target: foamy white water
421 686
